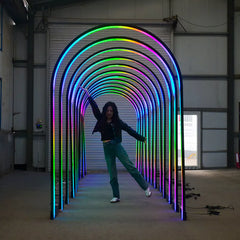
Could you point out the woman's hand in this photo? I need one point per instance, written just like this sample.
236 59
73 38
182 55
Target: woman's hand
86 91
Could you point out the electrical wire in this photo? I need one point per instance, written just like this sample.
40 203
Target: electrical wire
195 207
198 25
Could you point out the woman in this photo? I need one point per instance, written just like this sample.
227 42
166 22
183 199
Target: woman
110 126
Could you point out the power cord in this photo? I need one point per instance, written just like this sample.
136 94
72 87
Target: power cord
194 195
212 210
209 207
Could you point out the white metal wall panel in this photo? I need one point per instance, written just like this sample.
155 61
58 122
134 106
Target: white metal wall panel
6 73
114 9
20 44
214 140
20 114
214 120
20 155
153 9
201 55
20 94
20 79
87 10
39 113
20 99
39 151
6 108
39 97
214 160
40 48
201 15
205 94
59 37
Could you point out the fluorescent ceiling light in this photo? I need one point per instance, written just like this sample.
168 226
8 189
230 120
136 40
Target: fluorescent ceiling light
25 3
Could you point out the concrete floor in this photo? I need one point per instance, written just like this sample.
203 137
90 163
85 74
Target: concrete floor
24 209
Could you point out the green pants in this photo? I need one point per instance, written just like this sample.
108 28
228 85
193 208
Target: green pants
112 149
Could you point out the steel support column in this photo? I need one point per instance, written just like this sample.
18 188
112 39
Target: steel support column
30 63
230 88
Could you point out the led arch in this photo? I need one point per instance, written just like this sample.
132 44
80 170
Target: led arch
161 87
149 60
152 103
170 118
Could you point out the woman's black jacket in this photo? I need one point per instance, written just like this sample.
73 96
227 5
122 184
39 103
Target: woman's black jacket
117 133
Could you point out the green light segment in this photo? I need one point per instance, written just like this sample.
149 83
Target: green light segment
131 51
129 88
123 79
138 43
110 72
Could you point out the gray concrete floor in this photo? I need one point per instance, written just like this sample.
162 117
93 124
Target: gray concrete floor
25 209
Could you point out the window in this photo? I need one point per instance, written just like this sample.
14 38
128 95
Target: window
191 140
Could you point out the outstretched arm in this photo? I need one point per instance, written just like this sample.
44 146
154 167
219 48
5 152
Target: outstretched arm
86 91
95 109
132 132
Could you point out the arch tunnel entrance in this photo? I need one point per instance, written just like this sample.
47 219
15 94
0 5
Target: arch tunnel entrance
134 64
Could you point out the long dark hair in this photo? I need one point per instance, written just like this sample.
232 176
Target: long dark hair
115 118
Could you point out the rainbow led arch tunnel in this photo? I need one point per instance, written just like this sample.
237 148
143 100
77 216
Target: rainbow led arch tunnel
136 65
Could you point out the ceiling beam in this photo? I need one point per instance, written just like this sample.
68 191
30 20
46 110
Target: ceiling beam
39 4
16 10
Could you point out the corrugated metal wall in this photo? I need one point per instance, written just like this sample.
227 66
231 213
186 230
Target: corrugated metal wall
199 45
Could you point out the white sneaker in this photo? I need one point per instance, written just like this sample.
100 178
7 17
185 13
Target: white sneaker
114 200
148 193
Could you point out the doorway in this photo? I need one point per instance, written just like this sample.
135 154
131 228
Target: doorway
191 140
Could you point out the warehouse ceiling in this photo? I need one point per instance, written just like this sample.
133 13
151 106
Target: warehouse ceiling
18 10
